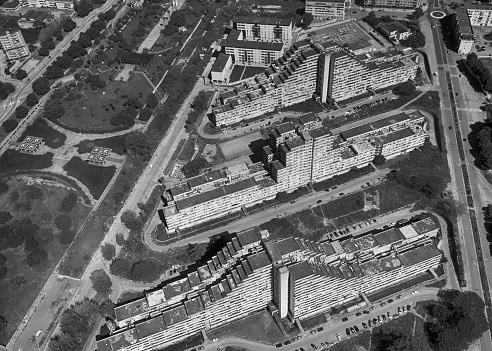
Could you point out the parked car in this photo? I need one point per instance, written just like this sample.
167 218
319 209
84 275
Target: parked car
358 314
347 331
287 342
364 325
313 346
409 307
320 329
278 344
344 319
356 329
365 312
390 300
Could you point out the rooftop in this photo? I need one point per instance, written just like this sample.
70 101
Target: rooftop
263 20
150 327
205 178
286 246
176 288
419 254
425 225
299 270
285 128
395 26
193 305
366 242
349 245
220 63
388 236
131 309
375 125
247 237
327 248
175 315
319 132
258 260
397 135
408 231
389 263
254 45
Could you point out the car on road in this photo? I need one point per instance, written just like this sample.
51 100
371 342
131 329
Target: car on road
358 314
344 319
320 329
398 297
352 330
399 310
319 201
383 304
383 317
287 342
278 344
365 312
364 325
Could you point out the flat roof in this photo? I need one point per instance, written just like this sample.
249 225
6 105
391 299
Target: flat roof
175 315
394 26
131 309
408 231
327 248
247 237
388 236
308 118
258 260
319 132
193 306
366 242
349 245
285 128
254 45
121 340
425 225
397 135
299 270
286 246
389 263
205 178
220 63
204 272
150 327
176 288
371 267
263 20
179 189
419 254
375 125
194 279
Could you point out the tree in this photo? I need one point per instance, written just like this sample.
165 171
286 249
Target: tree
415 40
21 112
9 125
83 7
84 41
54 72
195 251
5 217
41 86
36 257
48 44
416 14
193 167
372 19
109 15
306 20
146 271
123 118
3 323
32 99
34 193
6 89
43 51
131 220
151 101
63 221
379 160
92 33
69 25
108 251
484 145
101 281
120 267
64 61
53 109
404 89
120 239
139 144
69 201
145 114
20 74
4 187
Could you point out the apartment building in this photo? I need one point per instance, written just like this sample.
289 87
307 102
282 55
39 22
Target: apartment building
394 31
294 157
301 277
462 31
265 29
13 44
480 15
57 4
313 70
396 4
221 69
327 9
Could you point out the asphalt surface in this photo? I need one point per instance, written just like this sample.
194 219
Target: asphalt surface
461 166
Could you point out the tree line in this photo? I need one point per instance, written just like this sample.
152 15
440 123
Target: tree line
480 71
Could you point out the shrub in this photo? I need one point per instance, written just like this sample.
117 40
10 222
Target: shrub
120 267
3 260
108 251
9 125
101 281
69 201
4 187
37 257
32 99
145 271
131 220
34 193
66 236
5 217
3 274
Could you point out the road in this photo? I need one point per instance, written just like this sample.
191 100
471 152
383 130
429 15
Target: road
25 87
331 328
462 170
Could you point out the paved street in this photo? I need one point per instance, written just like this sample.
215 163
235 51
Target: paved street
453 144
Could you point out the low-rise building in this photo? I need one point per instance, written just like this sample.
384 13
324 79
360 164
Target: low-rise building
221 69
33 18
394 31
13 44
327 9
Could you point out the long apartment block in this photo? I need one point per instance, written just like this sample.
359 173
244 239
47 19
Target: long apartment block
313 70
327 9
295 156
57 4
265 29
396 4
301 277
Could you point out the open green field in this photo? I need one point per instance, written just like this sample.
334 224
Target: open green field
94 109
31 242
13 160
95 178
51 137
257 327
115 143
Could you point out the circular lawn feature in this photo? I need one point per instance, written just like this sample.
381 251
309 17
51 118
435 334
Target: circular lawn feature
355 12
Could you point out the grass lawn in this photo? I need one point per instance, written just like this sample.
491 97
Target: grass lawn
51 137
22 283
130 28
95 178
236 73
188 150
360 342
251 71
257 327
429 102
93 111
30 35
115 143
13 160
